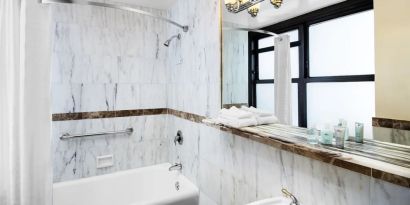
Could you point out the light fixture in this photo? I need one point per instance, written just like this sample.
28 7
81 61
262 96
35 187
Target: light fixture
232 5
254 10
276 3
253 6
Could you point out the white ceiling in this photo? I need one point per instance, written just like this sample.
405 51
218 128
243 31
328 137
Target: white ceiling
268 15
156 4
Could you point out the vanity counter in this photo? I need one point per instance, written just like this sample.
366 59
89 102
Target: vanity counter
378 169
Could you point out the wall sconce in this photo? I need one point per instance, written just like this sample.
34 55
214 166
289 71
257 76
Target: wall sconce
232 5
253 6
254 10
276 3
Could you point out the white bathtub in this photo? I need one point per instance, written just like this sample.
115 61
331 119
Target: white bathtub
148 185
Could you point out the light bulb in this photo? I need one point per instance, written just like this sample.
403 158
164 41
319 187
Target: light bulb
254 10
232 5
276 3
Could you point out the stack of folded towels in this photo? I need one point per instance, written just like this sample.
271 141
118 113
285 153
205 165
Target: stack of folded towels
243 117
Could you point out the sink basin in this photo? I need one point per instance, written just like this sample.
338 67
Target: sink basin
273 201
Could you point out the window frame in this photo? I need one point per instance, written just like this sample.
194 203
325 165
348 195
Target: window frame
302 24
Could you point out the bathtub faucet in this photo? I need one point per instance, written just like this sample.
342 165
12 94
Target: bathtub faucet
176 166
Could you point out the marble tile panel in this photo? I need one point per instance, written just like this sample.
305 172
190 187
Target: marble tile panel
127 96
386 193
319 183
66 98
97 97
76 158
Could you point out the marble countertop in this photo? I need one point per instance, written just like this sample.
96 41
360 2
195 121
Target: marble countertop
290 140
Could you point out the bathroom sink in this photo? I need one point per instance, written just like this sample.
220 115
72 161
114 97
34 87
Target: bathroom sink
273 201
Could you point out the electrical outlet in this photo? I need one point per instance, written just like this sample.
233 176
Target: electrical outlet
105 161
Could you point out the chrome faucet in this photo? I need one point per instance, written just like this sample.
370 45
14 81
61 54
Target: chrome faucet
291 196
176 166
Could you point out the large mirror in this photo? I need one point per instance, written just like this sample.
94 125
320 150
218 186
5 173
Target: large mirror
333 50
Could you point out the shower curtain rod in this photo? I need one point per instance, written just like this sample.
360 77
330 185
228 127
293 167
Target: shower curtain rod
121 6
252 30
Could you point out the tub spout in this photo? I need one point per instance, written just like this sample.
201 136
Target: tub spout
176 166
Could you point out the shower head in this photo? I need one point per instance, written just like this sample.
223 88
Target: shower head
167 42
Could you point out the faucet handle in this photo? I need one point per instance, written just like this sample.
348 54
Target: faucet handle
290 195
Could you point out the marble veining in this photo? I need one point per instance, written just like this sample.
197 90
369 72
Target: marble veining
228 168
76 158
235 65
106 59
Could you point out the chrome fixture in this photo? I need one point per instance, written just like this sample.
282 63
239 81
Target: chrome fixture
70 136
179 138
122 6
176 166
253 6
291 196
167 42
250 30
177 186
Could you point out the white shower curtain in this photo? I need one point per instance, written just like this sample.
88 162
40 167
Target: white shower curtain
25 165
283 80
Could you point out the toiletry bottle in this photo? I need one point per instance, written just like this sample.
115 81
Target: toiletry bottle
313 135
343 123
327 135
340 136
359 132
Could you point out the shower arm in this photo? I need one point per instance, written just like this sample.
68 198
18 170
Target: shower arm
121 6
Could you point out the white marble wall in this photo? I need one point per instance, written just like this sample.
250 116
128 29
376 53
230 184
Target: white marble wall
229 169
104 60
392 135
76 158
110 60
235 65
193 63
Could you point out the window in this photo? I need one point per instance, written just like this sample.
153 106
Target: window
332 62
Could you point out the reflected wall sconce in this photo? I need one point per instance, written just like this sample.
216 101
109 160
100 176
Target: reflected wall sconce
253 6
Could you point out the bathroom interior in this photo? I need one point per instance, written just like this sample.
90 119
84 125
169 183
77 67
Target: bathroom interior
204 102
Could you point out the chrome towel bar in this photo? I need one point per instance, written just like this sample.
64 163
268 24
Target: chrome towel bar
67 136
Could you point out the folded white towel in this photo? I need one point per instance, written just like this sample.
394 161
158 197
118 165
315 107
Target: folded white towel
257 112
237 123
267 120
234 112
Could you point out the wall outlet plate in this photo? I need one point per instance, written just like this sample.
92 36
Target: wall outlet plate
105 161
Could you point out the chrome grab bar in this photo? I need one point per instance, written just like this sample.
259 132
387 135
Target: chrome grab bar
67 136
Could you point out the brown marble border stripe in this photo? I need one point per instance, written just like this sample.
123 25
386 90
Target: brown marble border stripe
186 115
107 114
391 123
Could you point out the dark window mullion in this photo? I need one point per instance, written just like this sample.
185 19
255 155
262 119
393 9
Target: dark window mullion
303 74
253 71
345 78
